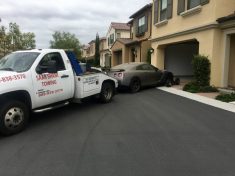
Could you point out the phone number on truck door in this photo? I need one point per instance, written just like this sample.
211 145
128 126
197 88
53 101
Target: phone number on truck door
12 78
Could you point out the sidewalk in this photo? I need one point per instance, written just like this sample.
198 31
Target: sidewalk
205 98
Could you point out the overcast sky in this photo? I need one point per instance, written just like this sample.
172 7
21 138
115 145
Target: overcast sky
81 17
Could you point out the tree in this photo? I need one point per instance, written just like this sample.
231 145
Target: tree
13 39
97 50
66 40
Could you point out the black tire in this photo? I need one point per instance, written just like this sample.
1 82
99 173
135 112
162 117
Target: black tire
135 85
107 92
14 116
168 83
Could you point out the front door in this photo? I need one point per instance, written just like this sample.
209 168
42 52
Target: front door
51 87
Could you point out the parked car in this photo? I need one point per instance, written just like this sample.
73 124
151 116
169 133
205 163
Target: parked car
137 75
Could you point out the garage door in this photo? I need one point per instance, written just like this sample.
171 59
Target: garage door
178 58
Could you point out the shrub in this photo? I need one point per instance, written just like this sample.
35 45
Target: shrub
226 97
207 89
191 87
202 70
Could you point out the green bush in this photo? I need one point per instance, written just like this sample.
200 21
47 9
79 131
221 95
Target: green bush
191 87
207 89
202 70
226 97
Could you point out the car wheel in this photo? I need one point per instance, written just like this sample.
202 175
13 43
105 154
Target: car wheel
107 92
168 82
14 117
135 85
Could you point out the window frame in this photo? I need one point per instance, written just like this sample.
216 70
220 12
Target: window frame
118 35
111 37
189 3
60 58
141 28
162 11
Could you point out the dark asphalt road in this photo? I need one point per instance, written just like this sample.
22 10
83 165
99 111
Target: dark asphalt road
151 133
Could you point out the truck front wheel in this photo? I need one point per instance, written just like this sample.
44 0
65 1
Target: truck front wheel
107 92
14 117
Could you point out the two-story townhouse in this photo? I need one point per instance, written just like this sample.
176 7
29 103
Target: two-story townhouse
227 25
85 51
88 51
136 47
91 50
116 31
105 60
183 28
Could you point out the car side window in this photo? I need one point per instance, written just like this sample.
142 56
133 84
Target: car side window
53 57
139 67
147 67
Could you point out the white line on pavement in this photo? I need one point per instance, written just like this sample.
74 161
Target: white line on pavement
209 101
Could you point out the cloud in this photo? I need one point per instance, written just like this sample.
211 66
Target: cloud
83 18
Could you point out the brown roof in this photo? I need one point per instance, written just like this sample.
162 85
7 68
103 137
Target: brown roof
125 41
85 47
120 26
93 41
227 18
102 38
146 7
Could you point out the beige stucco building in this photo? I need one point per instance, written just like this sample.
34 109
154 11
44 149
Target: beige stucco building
88 51
135 48
115 31
183 28
104 53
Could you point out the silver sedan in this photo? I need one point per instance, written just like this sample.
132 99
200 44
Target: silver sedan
137 75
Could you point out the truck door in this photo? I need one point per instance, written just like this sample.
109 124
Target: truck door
51 86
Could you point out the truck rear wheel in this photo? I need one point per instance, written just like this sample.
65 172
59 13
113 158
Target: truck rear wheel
107 92
14 117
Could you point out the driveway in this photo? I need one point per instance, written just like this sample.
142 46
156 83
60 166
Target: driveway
151 133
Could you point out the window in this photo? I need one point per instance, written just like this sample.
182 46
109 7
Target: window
145 67
53 57
163 10
19 62
118 35
141 25
193 3
184 5
111 39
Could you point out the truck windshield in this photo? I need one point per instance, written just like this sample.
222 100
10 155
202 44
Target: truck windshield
18 62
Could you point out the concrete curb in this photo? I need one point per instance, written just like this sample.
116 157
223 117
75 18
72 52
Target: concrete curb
212 102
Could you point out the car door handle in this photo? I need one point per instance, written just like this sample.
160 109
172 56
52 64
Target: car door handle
64 76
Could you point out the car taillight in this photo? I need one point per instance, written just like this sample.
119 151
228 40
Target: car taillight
120 75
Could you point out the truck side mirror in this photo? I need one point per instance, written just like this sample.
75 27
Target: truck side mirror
49 68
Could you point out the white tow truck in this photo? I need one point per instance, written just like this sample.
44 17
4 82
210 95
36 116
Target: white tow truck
42 80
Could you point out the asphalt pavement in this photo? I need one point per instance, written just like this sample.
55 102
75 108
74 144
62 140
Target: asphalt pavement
151 133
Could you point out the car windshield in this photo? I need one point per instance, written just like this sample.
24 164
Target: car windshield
18 62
